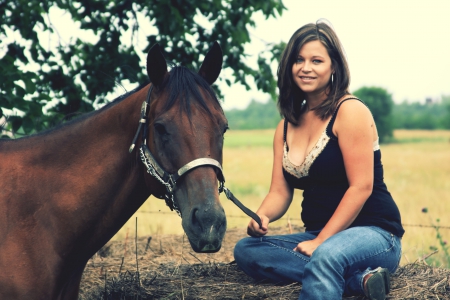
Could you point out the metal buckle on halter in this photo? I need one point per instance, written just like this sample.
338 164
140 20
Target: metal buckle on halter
171 184
221 186
171 203
144 108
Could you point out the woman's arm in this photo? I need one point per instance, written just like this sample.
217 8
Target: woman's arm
355 129
279 198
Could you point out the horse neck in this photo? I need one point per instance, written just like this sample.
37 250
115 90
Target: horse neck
99 183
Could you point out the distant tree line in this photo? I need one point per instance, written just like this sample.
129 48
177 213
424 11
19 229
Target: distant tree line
257 115
429 115
388 115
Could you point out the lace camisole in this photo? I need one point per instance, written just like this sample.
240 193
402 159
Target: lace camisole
323 179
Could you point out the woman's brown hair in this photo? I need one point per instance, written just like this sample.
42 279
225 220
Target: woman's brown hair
291 96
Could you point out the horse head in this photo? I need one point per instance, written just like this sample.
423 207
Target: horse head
185 123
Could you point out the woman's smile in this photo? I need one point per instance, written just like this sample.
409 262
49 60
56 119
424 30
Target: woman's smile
312 70
307 79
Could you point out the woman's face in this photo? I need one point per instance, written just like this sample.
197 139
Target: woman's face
312 70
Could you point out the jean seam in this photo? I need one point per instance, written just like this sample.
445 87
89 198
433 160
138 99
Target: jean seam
376 254
287 250
398 241
275 238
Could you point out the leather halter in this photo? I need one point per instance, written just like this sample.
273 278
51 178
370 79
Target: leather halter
170 180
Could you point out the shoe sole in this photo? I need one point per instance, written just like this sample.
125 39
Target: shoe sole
378 285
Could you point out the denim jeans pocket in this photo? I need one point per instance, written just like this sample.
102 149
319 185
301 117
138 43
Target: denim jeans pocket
394 241
386 234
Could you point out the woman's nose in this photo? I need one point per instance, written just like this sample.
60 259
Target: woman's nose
306 67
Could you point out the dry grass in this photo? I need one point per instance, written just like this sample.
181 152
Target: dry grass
418 176
166 268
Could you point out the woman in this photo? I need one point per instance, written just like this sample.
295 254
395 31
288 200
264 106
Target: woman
327 145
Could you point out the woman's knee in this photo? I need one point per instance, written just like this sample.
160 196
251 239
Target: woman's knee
243 249
326 256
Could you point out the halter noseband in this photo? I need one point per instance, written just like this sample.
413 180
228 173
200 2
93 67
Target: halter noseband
170 180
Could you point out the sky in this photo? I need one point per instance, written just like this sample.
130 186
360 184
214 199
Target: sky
402 45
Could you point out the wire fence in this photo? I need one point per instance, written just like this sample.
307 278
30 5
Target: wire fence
298 219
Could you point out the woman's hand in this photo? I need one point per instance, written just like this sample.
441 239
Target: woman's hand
253 227
308 247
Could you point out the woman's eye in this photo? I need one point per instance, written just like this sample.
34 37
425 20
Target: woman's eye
316 61
299 60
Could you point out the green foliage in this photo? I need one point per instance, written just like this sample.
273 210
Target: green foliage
256 116
79 74
380 104
446 108
422 116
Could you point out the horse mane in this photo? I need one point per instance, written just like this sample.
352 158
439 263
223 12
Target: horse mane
184 85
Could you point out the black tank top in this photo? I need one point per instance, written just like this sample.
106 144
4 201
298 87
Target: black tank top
323 179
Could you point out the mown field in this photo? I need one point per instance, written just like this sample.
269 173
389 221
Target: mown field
417 172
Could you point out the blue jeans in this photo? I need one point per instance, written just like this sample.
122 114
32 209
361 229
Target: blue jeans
336 268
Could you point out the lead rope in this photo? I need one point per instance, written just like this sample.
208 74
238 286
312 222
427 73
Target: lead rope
238 203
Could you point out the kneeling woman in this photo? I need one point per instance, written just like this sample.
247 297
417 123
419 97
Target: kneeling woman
327 146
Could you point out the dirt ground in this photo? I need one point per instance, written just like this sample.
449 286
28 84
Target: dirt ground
165 267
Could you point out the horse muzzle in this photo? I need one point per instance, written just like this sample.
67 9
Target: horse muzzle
205 228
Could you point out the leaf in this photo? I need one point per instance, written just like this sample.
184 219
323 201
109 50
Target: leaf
6 101
30 87
27 125
34 109
20 92
16 122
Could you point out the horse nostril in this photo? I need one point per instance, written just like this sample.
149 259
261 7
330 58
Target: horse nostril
194 219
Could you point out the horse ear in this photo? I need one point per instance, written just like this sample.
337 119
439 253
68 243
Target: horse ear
156 65
212 64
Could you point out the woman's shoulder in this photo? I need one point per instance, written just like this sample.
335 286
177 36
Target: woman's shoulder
352 111
279 131
281 123
351 104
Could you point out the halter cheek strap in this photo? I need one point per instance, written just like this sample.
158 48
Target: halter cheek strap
143 120
170 180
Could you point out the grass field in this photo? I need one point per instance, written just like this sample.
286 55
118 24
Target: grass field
417 172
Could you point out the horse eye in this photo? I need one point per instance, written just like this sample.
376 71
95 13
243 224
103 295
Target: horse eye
160 129
225 130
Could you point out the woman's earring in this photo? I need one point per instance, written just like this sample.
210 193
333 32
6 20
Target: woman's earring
332 75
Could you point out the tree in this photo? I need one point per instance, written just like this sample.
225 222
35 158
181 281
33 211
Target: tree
380 104
77 74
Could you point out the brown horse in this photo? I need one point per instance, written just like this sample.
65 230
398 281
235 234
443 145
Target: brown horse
65 192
